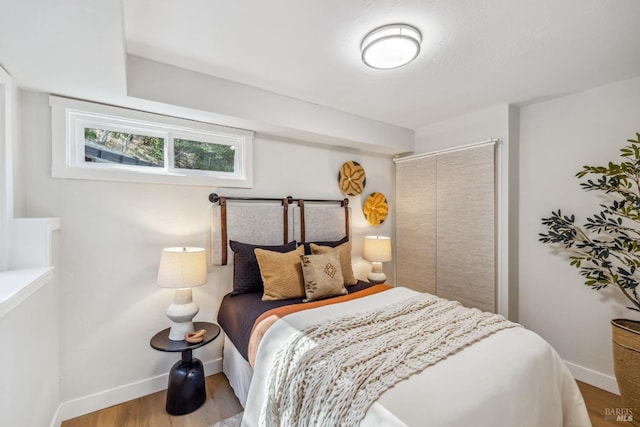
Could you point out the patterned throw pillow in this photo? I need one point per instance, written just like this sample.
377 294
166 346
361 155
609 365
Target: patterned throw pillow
344 250
281 274
246 272
322 276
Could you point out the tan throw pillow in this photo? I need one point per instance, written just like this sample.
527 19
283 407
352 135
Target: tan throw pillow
281 274
322 276
344 250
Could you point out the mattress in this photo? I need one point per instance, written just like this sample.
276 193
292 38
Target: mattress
237 370
512 377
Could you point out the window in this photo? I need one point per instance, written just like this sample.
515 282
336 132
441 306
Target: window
94 141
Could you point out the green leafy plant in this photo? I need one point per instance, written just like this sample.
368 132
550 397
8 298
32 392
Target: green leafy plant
606 248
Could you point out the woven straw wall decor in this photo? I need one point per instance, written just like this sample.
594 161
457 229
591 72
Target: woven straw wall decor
352 178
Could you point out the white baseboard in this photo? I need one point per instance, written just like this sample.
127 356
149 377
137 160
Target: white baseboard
104 399
56 421
597 379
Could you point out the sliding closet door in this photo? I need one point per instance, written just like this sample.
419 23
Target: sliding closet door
416 224
466 230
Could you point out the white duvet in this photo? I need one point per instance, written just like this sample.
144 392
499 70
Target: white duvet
513 378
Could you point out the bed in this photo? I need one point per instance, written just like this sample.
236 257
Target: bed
375 355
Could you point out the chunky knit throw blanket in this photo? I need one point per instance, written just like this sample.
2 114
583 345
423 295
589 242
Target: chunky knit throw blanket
330 373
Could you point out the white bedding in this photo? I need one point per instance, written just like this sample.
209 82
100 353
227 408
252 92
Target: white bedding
512 378
237 370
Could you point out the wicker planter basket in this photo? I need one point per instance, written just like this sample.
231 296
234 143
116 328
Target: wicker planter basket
626 362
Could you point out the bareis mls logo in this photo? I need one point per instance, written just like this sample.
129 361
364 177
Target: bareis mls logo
618 414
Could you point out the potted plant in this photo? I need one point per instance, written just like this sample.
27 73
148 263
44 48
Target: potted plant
606 251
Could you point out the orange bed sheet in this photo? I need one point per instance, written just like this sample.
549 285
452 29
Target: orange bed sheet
268 318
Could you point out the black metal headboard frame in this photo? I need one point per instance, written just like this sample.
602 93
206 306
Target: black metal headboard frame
285 202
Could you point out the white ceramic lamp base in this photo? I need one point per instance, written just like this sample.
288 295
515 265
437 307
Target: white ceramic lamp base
376 275
181 314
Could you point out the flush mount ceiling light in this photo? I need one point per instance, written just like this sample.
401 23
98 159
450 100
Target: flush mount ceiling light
391 46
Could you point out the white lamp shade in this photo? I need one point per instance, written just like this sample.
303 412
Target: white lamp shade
377 249
182 267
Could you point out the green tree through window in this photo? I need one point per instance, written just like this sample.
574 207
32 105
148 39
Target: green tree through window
203 156
127 148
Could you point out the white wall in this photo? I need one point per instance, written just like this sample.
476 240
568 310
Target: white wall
113 233
497 122
7 92
557 138
30 360
29 321
462 130
237 105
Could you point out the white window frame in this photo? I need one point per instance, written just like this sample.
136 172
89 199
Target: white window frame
69 118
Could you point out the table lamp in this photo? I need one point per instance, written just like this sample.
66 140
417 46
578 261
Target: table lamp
182 268
377 249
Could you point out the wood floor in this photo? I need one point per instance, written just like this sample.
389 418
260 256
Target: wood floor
148 411
601 406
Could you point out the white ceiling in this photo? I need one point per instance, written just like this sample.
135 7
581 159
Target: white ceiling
476 54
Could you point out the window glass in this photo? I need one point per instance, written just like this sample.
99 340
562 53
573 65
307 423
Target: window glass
106 146
200 155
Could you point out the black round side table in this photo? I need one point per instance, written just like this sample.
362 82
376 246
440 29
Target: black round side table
186 391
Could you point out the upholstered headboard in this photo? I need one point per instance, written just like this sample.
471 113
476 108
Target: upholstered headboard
274 221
